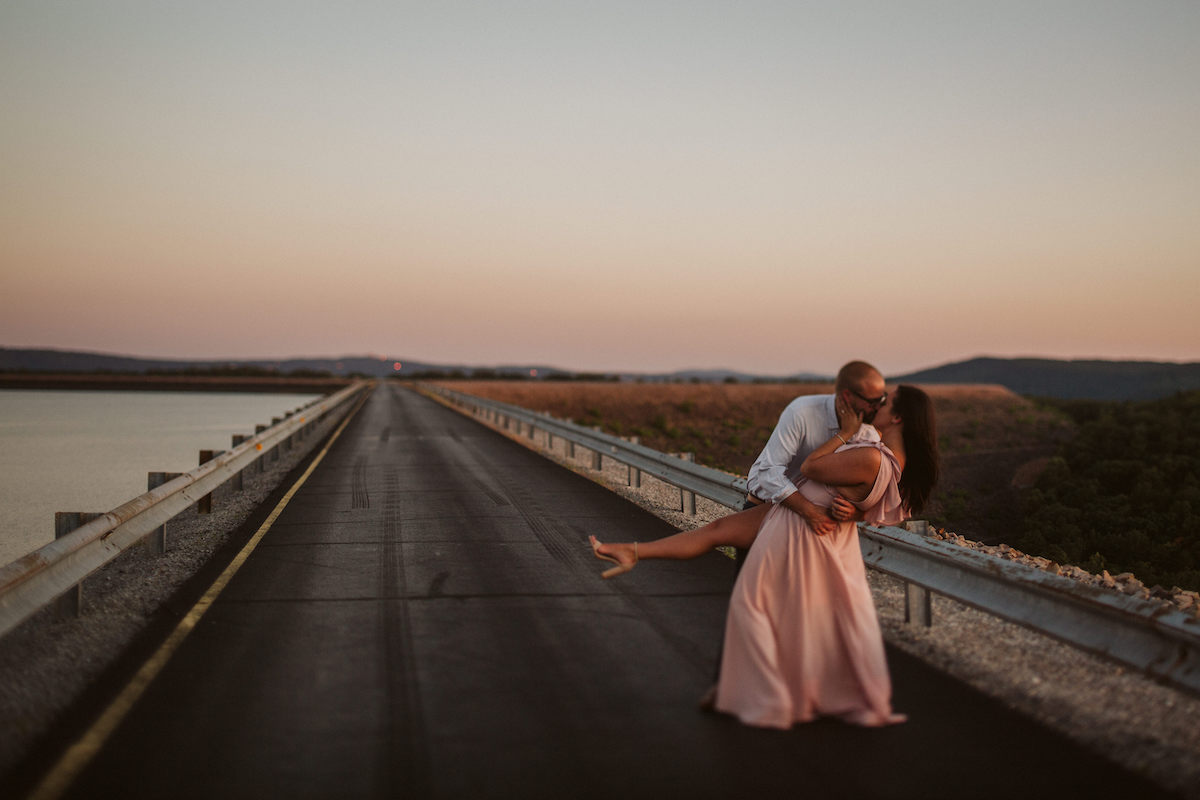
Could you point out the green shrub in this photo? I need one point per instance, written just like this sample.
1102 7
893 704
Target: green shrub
1124 493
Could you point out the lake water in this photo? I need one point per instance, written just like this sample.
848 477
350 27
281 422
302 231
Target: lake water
90 451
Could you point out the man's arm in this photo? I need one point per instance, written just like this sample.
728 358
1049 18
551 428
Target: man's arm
767 478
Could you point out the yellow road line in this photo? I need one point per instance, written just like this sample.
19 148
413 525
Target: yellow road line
80 754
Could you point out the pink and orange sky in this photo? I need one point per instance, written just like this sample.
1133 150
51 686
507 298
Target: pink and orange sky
766 186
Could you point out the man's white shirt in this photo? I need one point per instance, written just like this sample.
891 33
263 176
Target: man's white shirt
807 423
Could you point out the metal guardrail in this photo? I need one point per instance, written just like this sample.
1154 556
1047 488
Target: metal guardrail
705 481
34 581
1161 641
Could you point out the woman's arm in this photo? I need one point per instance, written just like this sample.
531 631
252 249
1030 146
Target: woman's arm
853 470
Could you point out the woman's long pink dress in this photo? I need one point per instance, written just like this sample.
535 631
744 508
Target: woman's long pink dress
802 639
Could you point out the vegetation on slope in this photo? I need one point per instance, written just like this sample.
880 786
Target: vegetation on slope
1124 493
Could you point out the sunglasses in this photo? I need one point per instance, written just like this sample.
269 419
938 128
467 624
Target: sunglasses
874 403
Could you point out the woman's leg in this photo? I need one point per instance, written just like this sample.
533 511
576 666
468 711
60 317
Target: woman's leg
733 530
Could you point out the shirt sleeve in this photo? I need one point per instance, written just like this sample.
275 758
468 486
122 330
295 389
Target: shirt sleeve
767 479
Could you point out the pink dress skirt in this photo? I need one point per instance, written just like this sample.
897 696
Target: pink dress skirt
802 639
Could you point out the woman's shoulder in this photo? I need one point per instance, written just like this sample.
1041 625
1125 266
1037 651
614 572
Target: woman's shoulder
869 454
879 455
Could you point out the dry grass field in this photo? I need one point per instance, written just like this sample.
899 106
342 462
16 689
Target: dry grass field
992 440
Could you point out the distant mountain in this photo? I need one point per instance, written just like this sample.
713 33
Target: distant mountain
1093 380
67 361
722 375
45 360
1071 380
17 360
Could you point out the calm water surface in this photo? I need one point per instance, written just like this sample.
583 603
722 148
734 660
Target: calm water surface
90 451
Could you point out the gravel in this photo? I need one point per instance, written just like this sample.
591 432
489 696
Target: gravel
1151 729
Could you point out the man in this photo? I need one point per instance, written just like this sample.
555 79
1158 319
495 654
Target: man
806 424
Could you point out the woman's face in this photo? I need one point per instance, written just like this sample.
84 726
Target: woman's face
885 417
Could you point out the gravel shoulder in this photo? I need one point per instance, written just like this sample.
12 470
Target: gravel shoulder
48 663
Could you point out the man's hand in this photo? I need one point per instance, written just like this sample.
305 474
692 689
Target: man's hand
820 521
817 517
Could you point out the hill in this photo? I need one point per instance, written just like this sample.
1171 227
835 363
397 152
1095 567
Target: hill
1035 377
1069 380
63 361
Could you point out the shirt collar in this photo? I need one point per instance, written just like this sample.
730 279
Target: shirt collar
831 412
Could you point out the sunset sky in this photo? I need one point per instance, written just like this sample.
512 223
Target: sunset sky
767 186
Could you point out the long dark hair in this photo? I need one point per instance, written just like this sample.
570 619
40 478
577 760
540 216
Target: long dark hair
920 445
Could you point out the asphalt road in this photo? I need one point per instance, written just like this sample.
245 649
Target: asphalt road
425 619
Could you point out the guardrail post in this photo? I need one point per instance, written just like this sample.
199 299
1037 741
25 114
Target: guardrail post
635 474
158 538
236 482
687 500
260 461
286 444
70 603
918 605
204 506
918 600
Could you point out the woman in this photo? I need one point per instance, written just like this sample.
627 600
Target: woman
802 639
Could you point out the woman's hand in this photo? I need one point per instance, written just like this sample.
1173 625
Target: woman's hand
842 509
849 419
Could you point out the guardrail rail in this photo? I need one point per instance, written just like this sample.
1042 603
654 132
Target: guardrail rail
1159 640
37 579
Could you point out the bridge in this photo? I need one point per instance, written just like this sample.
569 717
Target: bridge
419 615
